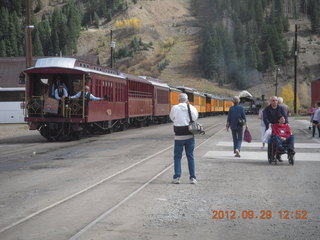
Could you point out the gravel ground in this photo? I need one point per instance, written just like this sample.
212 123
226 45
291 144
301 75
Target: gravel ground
15 130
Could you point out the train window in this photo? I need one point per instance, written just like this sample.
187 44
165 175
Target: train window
162 96
11 96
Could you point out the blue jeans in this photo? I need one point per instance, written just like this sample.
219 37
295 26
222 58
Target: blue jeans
289 141
178 149
237 138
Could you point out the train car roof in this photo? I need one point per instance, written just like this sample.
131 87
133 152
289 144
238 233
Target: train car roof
159 84
70 64
199 93
175 89
187 89
155 81
135 78
212 95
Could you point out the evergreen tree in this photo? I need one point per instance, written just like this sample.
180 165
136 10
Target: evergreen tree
4 26
258 57
96 19
3 51
268 60
251 57
12 48
314 13
37 47
55 44
45 33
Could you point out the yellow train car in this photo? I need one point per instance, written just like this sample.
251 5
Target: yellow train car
199 102
174 96
203 109
209 102
227 103
219 105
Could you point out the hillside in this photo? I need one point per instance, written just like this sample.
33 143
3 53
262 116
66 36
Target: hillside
238 44
183 21
161 21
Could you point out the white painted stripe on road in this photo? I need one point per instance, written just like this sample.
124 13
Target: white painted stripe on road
259 144
261 156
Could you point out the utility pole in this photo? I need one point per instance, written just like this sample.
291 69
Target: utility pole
112 46
28 36
277 72
295 68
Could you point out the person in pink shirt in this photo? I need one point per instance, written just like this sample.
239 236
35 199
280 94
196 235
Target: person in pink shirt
282 134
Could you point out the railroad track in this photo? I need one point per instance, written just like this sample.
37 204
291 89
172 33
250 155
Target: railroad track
97 194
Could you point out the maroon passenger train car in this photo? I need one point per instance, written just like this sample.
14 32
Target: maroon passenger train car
161 100
129 99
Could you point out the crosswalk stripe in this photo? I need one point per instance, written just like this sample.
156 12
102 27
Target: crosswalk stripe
261 156
259 144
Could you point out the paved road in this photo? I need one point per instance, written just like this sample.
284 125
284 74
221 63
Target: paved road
117 186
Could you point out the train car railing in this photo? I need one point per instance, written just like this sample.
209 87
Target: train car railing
35 106
39 106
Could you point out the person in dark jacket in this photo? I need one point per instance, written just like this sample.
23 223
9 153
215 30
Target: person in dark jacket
272 112
60 93
55 85
234 114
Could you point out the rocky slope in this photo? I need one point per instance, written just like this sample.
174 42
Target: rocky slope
181 21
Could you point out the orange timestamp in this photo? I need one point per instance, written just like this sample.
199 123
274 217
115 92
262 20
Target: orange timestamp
261 214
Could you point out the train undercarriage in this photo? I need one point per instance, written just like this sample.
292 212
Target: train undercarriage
67 131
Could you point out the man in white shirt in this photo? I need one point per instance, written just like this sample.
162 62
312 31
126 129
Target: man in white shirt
315 118
183 138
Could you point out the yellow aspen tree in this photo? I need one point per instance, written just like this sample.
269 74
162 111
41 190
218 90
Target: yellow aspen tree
287 94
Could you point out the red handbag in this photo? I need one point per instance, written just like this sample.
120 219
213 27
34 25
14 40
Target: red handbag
247 135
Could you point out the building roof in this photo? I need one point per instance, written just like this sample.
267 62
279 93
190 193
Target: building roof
11 68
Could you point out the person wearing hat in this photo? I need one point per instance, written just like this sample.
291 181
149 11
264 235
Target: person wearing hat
60 93
183 138
55 85
88 95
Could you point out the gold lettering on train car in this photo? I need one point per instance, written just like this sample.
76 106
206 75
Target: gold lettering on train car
109 112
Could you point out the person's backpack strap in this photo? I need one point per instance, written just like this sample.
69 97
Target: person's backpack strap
189 111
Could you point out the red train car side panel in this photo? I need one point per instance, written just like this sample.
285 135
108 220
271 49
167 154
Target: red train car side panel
114 107
139 97
161 101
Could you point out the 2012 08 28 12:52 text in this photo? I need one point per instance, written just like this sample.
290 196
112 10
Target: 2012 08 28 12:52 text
259 214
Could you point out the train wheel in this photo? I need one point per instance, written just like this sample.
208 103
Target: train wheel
44 131
76 135
125 126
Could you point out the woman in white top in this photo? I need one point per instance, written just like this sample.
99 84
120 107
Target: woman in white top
315 119
262 125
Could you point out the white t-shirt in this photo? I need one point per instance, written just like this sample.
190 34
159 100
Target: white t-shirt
180 116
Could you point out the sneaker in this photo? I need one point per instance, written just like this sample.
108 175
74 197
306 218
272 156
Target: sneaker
176 181
193 181
237 153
